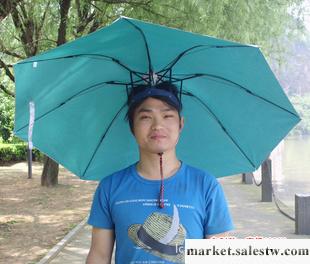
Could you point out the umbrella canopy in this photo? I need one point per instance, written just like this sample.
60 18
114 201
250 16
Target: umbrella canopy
235 110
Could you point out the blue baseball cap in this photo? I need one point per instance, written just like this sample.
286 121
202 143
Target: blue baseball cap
153 92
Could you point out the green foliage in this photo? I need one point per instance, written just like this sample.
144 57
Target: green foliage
294 73
260 23
254 22
302 106
17 152
6 117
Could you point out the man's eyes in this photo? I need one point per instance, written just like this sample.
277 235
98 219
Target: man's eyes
148 117
144 117
168 116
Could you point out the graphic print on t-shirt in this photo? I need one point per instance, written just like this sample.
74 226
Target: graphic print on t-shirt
161 235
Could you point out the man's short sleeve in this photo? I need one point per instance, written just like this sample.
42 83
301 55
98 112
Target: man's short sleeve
218 219
100 214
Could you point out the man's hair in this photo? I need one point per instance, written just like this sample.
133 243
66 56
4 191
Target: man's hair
166 86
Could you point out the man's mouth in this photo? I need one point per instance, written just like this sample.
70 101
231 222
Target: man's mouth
157 136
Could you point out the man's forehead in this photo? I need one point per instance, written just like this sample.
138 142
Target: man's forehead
153 109
152 104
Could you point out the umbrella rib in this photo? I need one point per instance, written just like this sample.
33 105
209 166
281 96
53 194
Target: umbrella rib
221 125
84 91
146 46
166 69
102 138
237 85
90 55
171 64
64 102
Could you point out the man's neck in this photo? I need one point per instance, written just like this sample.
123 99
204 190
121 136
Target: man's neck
149 165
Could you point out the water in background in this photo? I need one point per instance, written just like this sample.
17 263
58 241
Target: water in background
295 169
290 169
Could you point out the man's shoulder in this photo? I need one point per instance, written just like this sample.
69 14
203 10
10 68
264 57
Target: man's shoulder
117 175
197 173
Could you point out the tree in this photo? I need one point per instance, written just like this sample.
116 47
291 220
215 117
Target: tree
6 6
31 27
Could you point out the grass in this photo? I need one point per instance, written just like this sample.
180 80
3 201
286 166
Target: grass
11 144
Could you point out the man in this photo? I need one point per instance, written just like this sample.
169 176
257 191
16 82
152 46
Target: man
152 206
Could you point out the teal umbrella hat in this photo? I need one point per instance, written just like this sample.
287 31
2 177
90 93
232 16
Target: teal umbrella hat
75 98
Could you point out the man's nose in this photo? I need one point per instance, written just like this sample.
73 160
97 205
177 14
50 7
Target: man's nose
157 123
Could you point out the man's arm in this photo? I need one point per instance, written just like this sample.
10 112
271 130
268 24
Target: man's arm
101 248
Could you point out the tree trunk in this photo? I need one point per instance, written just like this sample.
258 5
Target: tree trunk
50 171
64 6
49 175
6 7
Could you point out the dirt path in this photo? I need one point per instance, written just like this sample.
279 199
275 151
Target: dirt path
34 218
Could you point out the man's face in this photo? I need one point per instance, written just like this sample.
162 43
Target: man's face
156 126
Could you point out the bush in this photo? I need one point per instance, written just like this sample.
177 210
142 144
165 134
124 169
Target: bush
302 106
17 152
6 117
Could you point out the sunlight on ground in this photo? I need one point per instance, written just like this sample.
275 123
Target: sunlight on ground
34 218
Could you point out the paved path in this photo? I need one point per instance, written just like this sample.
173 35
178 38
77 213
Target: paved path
251 218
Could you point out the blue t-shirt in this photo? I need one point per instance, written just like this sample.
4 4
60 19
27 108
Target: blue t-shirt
194 207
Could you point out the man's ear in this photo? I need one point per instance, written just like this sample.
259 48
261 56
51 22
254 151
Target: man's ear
181 123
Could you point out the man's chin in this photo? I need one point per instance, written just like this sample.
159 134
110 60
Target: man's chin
155 150
159 150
